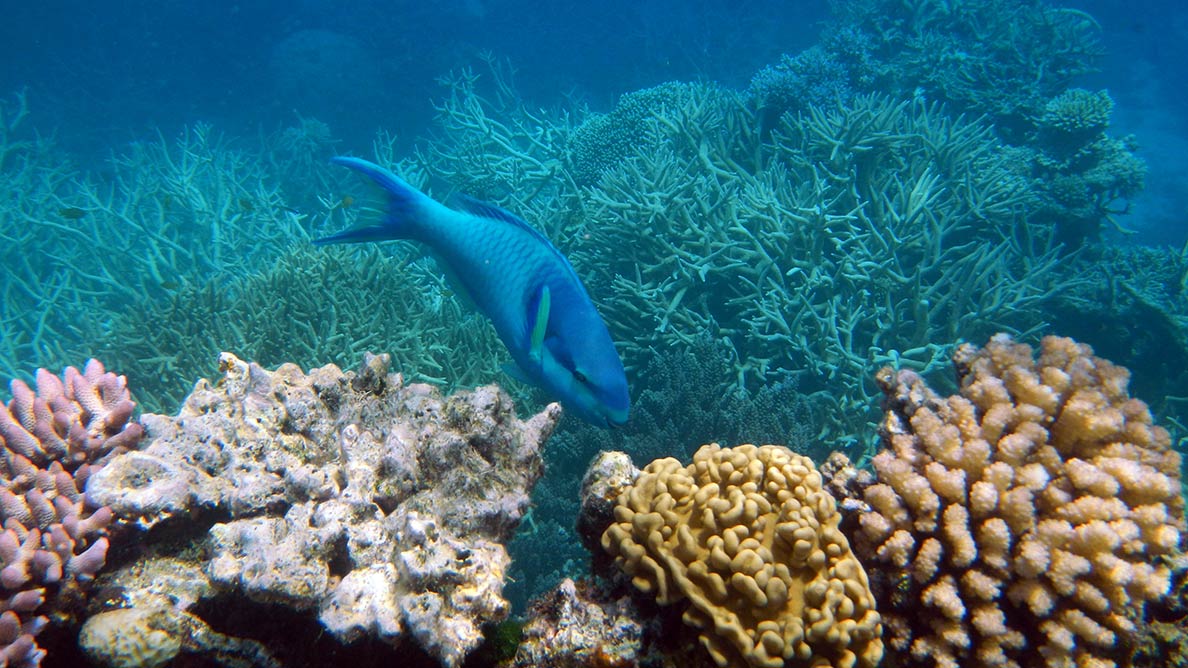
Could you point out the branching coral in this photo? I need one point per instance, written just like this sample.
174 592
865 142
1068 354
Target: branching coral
52 542
815 77
838 240
854 236
1000 58
165 214
1076 113
603 140
1128 284
1023 522
493 147
308 305
749 538
1084 176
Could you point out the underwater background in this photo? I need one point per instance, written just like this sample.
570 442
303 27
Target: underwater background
767 201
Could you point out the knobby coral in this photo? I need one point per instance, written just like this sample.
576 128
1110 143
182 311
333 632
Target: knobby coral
1024 521
53 440
749 537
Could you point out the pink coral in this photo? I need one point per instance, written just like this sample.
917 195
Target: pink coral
53 439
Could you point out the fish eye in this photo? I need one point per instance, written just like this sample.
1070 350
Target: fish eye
581 377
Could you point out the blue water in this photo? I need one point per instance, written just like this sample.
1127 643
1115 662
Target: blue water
102 79
99 76
102 75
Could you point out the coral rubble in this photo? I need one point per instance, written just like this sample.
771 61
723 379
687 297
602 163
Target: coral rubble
568 628
149 637
52 542
1025 521
376 504
749 538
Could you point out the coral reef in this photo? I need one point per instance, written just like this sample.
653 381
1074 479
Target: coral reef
570 629
748 537
601 141
854 236
1025 521
166 213
1084 177
54 440
376 504
305 307
682 396
818 249
1011 62
1123 285
999 58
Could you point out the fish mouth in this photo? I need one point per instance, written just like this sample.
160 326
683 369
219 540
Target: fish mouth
615 419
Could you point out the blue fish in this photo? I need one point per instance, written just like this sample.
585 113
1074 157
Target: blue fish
520 281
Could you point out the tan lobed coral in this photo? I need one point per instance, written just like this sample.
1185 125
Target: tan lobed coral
1023 521
750 538
52 440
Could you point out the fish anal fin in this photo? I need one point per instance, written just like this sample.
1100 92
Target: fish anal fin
517 373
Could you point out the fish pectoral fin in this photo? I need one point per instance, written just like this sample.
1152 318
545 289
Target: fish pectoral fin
540 324
517 373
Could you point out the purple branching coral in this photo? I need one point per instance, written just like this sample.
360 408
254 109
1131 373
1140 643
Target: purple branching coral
52 542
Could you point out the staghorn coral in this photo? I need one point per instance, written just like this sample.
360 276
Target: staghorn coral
303 307
1022 522
377 505
849 237
749 537
52 542
165 213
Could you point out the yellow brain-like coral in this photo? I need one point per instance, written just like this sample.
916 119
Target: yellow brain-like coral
749 537
1024 521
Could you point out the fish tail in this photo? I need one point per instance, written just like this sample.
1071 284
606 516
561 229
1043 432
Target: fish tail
404 206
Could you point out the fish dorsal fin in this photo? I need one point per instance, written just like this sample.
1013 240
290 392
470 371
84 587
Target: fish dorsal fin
540 323
477 207
488 210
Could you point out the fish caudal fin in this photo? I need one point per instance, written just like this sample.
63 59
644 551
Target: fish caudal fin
404 204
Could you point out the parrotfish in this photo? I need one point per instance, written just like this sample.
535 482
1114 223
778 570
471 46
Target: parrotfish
520 281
